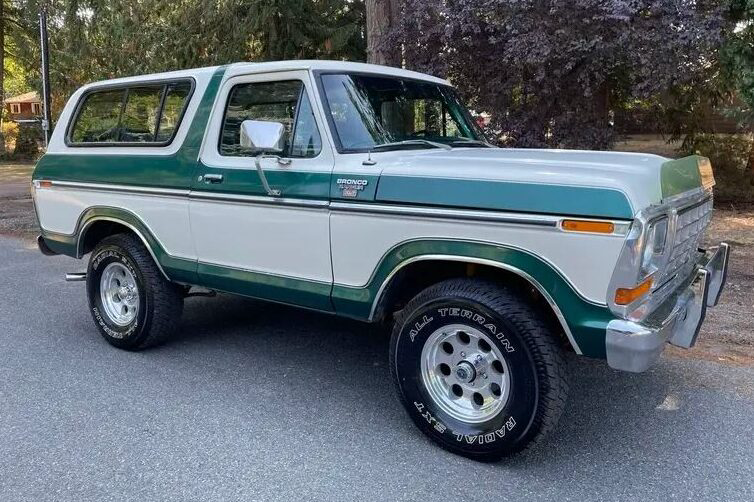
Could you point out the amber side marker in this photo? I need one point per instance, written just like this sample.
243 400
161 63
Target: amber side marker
596 227
45 184
626 296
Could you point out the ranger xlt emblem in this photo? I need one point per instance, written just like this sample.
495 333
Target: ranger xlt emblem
351 187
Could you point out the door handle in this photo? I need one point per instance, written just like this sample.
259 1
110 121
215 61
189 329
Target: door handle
211 178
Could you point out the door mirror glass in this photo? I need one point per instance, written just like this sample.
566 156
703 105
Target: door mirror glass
262 136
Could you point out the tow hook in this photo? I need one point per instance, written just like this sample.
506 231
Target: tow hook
75 276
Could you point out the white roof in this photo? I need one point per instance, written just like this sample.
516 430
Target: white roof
325 65
272 66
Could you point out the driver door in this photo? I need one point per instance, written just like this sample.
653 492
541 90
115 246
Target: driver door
247 240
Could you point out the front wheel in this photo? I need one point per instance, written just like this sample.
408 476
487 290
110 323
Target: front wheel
133 305
477 369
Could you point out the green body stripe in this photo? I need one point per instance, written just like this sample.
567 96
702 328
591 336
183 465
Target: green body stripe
586 320
299 292
506 196
679 176
296 184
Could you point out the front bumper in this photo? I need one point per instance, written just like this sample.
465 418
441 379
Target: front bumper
633 346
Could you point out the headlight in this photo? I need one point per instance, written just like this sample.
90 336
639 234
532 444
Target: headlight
654 246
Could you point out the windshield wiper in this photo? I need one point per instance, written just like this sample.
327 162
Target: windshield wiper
474 142
410 142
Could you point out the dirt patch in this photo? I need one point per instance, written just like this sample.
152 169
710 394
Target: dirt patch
732 321
14 172
16 210
647 143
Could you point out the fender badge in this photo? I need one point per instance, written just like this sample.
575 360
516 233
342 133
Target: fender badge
350 188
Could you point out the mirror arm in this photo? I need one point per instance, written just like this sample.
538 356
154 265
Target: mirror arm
257 161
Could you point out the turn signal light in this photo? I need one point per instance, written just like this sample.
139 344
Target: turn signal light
45 184
597 227
626 296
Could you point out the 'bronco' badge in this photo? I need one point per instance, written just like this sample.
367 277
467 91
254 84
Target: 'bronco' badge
351 187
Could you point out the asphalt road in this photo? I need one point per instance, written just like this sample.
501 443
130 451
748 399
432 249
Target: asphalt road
260 402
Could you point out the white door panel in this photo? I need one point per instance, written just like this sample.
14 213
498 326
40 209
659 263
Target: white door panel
286 241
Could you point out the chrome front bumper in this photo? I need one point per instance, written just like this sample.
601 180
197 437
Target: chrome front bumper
633 346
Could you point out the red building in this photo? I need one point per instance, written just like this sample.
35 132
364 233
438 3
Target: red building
26 106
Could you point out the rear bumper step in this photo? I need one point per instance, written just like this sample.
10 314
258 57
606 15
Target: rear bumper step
75 276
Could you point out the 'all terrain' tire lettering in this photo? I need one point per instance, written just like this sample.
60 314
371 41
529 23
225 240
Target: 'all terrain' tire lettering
477 318
418 326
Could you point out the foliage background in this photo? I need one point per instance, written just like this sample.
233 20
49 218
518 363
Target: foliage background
563 74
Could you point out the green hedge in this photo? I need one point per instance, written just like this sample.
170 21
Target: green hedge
729 154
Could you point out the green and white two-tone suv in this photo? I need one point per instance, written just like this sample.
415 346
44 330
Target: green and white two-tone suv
369 192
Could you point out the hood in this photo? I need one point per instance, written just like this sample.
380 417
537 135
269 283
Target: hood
566 182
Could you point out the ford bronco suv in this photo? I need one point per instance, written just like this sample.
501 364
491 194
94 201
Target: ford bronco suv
369 192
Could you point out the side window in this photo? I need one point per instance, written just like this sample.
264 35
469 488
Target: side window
136 115
306 139
285 102
139 121
175 101
98 120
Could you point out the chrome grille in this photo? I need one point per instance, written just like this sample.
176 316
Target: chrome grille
691 223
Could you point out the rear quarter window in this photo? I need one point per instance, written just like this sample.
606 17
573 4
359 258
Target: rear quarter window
138 114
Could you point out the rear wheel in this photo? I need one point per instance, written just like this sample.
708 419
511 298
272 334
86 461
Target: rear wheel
133 305
477 369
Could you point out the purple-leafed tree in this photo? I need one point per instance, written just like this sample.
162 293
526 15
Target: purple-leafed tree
550 73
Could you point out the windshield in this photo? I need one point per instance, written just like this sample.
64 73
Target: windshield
367 111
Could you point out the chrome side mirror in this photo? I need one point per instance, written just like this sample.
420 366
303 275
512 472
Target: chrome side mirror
267 138
263 136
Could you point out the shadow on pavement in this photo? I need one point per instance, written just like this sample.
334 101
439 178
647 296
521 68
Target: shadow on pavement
607 414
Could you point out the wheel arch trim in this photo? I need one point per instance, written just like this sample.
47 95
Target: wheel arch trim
479 261
72 244
87 223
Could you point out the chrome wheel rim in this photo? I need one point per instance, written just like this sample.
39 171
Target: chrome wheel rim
465 373
119 294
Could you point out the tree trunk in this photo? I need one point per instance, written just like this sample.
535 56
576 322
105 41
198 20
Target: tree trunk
382 16
2 74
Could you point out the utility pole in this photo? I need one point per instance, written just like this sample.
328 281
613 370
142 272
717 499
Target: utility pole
47 117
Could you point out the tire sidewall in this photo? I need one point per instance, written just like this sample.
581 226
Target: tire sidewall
487 439
121 336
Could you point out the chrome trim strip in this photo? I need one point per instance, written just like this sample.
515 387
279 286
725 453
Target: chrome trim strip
543 221
456 214
480 261
257 199
106 187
